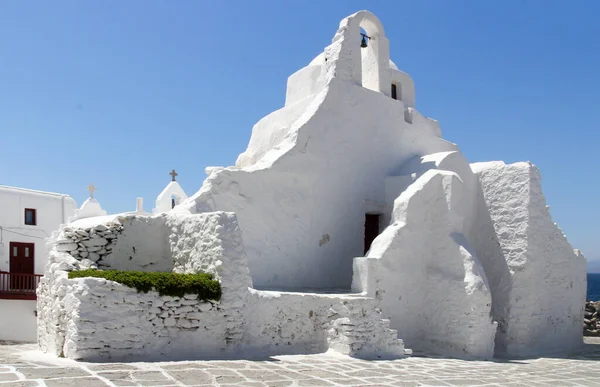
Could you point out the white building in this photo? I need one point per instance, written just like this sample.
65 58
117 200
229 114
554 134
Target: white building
27 218
171 196
346 188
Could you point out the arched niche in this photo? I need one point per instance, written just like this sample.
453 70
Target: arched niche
373 65
346 60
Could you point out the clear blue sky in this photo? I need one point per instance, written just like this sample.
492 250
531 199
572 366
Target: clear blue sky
119 92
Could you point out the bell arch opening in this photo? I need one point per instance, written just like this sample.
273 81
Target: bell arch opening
369 55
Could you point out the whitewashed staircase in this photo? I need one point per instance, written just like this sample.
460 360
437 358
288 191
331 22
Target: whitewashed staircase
358 330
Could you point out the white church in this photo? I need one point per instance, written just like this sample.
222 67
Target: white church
28 220
360 231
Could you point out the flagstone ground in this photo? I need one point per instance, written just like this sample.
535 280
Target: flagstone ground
21 365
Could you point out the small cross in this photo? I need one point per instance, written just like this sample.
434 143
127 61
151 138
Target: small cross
91 189
173 175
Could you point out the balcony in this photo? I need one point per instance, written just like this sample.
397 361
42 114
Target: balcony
17 286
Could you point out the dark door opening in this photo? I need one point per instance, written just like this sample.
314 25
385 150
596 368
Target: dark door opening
21 270
371 229
21 257
394 91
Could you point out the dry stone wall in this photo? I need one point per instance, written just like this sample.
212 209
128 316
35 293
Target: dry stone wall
591 325
92 318
111 321
91 245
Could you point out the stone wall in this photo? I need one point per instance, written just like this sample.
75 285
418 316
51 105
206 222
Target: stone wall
92 318
591 326
301 323
96 319
111 321
91 245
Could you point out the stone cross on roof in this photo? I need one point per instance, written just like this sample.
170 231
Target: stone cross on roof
173 175
91 189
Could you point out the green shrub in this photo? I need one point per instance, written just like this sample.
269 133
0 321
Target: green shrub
166 284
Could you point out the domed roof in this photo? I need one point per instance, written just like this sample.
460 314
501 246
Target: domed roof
318 61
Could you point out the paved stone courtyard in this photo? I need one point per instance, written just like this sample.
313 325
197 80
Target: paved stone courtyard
22 366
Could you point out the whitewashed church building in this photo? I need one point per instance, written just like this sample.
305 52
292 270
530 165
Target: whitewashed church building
348 224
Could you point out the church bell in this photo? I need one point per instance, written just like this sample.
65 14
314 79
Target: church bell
363 44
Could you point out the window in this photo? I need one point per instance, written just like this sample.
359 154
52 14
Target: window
30 218
394 92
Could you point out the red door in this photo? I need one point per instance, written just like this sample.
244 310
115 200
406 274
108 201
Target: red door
21 257
21 264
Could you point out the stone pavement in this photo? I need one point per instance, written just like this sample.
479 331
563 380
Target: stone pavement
23 366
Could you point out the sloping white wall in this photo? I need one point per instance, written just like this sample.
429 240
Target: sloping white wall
544 286
426 274
314 185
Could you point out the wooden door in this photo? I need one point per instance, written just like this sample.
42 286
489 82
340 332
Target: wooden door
21 258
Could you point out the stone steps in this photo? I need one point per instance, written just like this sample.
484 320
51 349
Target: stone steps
360 331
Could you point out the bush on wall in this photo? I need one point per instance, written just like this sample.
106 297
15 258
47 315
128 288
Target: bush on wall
166 284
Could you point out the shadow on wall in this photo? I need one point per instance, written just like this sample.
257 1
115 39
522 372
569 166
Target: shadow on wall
496 269
142 246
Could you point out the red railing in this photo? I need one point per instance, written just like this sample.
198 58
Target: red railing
18 286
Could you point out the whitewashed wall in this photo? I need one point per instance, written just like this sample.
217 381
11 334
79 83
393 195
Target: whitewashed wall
95 319
428 277
318 181
18 320
301 323
543 283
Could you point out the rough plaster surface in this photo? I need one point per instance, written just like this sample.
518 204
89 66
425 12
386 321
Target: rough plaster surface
545 281
142 245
